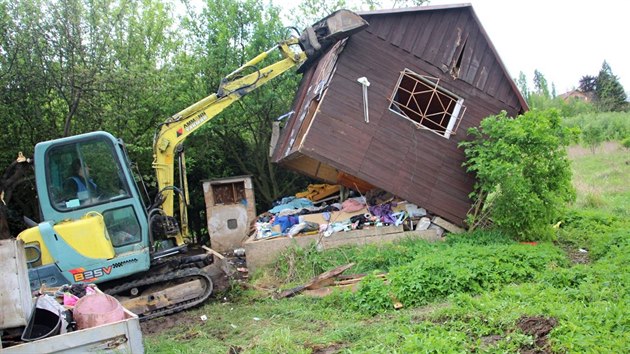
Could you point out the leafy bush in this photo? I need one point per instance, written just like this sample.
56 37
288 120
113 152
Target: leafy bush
523 174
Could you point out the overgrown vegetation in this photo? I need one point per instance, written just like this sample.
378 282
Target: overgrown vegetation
523 175
474 292
595 128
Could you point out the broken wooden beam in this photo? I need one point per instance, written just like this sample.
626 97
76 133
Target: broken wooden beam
317 282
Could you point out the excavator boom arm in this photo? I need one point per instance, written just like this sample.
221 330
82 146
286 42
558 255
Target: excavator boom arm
314 41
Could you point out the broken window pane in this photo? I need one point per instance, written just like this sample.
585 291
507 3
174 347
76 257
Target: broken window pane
421 100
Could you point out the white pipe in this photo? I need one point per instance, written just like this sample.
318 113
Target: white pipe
365 84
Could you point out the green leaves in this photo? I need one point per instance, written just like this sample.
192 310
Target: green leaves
523 175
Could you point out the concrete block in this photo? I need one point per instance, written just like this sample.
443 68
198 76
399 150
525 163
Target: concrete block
263 252
450 227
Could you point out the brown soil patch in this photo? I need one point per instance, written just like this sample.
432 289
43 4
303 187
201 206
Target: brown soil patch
538 327
577 257
326 349
160 324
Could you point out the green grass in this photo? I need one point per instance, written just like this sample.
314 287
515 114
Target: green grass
466 294
601 179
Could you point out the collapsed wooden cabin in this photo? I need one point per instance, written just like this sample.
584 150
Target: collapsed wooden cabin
388 107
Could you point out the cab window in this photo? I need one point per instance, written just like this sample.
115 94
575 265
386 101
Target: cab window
84 173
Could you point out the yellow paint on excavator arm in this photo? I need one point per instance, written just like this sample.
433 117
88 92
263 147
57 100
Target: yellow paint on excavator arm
177 128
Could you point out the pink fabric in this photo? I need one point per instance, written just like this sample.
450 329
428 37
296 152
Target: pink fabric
352 205
69 299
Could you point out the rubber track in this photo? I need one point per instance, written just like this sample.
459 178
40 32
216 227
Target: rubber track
156 279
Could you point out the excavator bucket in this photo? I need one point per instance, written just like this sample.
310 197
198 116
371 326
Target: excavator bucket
318 38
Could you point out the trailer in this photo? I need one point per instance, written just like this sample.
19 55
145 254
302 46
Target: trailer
124 336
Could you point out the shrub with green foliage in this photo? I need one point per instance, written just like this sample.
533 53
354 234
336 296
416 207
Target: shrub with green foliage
523 174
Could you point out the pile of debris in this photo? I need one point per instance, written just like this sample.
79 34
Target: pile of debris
325 209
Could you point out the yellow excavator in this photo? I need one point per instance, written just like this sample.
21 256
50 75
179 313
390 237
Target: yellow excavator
104 233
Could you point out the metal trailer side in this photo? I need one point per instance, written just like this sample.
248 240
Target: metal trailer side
118 337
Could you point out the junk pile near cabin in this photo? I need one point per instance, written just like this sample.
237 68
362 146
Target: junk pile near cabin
331 216
70 318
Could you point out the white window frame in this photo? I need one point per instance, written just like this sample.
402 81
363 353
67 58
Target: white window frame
437 92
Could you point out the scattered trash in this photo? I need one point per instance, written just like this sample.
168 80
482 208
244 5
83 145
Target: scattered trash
582 250
256 319
233 325
239 252
204 318
242 270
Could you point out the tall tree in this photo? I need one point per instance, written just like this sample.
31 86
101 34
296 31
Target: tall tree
73 66
227 34
540 84
521 83
588 83
610 93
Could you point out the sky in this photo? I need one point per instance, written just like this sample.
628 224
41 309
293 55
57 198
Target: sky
562 39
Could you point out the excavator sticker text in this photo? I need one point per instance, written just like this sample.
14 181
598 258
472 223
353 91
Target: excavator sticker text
196 122
80 274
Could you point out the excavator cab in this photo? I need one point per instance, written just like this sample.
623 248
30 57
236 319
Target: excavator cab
95 225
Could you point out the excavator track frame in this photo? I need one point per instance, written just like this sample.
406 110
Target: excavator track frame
186 273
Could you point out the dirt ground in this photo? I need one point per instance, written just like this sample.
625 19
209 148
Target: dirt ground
221 283
538 327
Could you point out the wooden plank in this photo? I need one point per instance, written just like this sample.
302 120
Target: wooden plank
315 282
495 77
417 26
484 70
436 41
15 291
421 43
454 38
402 29
472 54
383 26
505 92
213 252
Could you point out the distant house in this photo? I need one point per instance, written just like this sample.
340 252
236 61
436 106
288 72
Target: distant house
578 95
432 73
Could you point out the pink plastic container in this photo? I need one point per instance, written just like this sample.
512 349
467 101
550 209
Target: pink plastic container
97 309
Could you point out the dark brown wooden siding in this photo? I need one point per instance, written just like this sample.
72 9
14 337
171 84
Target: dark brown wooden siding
389 151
